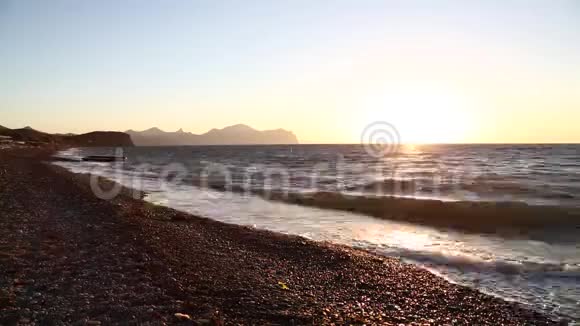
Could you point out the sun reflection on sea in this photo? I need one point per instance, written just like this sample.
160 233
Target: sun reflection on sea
410 239
403 237
410 149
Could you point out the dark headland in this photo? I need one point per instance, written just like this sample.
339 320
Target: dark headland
67 257
92 139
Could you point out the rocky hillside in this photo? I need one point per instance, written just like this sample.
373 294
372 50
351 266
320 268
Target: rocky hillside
92 139
100 139
233 135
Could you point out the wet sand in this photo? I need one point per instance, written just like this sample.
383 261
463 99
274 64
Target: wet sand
69 257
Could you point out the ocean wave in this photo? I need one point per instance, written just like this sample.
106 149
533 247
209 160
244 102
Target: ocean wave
466 263
488 188
388 186
510 218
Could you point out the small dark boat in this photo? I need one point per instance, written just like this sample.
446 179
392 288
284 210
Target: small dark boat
103 158
65 159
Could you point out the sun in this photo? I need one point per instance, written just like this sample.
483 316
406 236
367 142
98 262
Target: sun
422 114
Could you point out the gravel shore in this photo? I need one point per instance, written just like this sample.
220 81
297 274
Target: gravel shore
67 257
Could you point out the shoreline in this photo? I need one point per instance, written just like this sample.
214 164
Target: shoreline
205 269
512 219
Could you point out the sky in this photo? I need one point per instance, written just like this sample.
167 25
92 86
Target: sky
438 71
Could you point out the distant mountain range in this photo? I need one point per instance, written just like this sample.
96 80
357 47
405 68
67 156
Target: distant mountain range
239 134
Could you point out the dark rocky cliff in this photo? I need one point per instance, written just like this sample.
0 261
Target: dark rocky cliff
92 139
100 139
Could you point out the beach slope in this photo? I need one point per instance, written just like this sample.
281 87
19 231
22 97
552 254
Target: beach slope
69 257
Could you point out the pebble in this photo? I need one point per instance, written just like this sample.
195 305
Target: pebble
182 316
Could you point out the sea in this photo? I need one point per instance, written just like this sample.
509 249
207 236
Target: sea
540 273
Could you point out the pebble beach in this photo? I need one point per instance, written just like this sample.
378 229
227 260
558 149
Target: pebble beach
67 257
